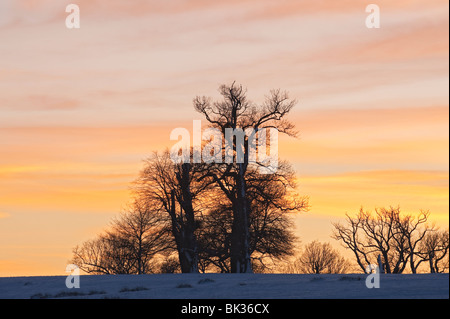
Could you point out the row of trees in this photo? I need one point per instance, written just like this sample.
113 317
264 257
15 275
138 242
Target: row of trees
142 241
221 216
229 217
400 240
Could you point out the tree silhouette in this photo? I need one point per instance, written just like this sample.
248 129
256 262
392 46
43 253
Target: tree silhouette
128 246
236 112
398 238
319 258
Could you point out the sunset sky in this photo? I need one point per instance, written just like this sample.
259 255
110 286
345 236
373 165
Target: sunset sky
81 108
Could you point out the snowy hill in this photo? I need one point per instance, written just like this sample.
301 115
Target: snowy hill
227 286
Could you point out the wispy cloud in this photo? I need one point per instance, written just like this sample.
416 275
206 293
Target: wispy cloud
39 102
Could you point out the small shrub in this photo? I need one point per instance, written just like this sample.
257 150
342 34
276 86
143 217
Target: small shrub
205 281
40 296
350 278
63 294
184 286
96 292
139 288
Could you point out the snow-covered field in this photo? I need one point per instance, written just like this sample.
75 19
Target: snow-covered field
228 286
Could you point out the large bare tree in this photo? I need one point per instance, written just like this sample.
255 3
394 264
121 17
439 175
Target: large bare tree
235 112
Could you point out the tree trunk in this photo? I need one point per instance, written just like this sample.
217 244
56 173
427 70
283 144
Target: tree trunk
240 255
432 269
189 251
411 263
139 257
387 267
380 264
240 261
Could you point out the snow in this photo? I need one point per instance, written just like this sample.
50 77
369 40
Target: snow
228 286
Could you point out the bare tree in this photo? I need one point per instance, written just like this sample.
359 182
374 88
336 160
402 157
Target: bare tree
320 258
175 189
127 247
411 229
350 235
106 254
387 233
435 249
236 112
143 232
91 256
169 265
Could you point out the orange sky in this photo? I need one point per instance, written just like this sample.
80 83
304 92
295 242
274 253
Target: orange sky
81 108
